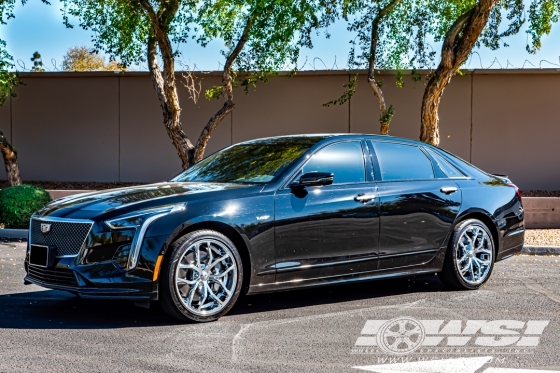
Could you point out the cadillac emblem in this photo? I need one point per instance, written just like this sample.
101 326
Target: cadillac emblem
45 228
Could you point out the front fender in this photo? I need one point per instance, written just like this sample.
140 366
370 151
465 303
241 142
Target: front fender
252 218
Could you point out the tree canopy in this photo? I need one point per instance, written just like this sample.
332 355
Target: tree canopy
84 59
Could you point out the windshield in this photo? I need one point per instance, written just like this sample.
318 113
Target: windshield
257 162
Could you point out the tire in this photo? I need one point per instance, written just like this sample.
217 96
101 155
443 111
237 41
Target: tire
205 288
476 264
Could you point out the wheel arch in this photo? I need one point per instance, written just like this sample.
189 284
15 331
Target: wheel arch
487 220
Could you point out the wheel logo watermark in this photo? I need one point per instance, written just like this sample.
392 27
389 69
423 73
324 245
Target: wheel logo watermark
407 335
401 336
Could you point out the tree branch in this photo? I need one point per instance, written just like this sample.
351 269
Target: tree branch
371 67
227 86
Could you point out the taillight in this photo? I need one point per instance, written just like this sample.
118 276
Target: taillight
517 191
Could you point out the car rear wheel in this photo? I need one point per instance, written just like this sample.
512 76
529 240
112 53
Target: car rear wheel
202 277
470 257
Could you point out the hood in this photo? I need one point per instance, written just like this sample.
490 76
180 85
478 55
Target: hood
123 200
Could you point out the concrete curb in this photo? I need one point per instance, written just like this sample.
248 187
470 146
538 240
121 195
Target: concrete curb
14 233
540 250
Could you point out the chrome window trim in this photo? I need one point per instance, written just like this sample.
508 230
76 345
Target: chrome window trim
63 220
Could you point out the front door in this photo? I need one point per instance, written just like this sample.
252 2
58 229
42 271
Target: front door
417 209
330 230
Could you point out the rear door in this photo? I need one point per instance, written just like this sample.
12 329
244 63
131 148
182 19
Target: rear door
330 230
418 204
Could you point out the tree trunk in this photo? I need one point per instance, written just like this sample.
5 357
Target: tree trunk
10 161
458 43
385 114
164 81
384 130
227 89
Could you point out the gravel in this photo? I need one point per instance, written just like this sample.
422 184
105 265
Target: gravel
542 237
540 193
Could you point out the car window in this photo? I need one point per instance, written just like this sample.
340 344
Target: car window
402 162
345 160
447 168
256 162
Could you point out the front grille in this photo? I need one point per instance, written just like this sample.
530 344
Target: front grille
56 276
68 237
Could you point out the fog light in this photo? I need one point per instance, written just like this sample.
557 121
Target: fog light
121 255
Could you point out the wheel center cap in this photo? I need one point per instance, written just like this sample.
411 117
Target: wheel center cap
471 253
204 276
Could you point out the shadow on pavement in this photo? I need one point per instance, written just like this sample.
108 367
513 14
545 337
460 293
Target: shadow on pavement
51 309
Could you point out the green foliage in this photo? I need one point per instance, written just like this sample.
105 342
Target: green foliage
542 14
8 80
18 203
402 34
249 79
388 116
37 63
399 78
348 92
278 30
121 27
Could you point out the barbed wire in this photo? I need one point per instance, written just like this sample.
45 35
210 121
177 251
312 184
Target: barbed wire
318 63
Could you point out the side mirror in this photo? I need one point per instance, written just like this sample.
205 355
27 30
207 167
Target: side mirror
313 179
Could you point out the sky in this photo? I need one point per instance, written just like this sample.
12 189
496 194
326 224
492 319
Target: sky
39 27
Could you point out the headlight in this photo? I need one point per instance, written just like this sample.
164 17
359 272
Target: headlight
141 220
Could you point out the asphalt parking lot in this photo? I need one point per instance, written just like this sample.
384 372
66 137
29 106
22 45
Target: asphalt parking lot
316 330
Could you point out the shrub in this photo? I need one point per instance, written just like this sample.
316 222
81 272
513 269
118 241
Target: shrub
19 202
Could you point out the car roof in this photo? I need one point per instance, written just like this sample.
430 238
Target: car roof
324 136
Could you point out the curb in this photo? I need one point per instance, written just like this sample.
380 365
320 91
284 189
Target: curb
14 233
540 250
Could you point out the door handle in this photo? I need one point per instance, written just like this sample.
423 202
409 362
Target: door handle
448 190
364 197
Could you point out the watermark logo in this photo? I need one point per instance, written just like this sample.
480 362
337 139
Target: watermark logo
401 336
405 335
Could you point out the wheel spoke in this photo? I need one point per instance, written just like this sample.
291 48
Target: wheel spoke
228 292
465 268
197 254
217 261
208 269
189 266
212 294
191 294
223 273
185 281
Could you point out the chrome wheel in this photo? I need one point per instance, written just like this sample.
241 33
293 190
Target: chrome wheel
474 252
206 277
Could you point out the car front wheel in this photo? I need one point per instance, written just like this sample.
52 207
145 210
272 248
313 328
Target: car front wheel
202 277
470 257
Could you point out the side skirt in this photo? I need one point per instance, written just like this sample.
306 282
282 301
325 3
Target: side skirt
432 266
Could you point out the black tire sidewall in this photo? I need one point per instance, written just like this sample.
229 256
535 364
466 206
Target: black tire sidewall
171 302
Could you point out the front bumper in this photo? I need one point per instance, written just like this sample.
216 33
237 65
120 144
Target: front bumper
103 280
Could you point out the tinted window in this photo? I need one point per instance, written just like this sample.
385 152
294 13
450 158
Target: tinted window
447 168
402 162
255 162
344 160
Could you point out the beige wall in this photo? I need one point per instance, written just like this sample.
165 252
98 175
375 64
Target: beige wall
108 127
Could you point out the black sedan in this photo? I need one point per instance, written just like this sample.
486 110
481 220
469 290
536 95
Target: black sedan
280 213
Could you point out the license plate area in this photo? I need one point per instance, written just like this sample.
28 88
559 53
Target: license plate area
42 256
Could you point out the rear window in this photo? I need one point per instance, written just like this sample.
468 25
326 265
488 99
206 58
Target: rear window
445 166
